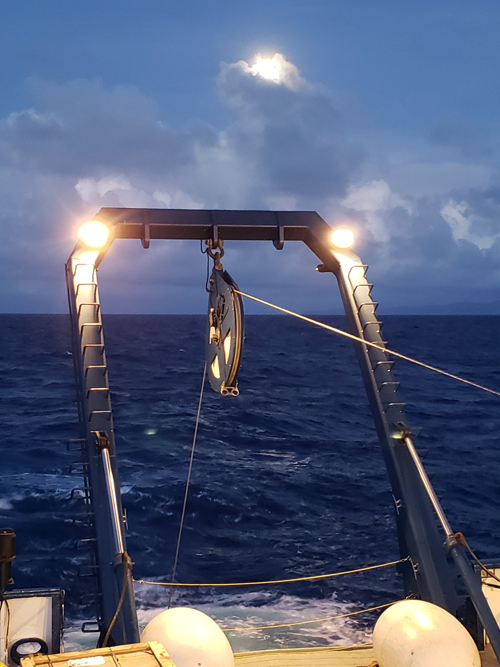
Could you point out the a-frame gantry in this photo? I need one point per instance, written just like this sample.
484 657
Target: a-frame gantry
424 543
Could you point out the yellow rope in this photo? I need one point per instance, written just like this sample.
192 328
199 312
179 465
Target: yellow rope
316 620
310 649
275 581
366 342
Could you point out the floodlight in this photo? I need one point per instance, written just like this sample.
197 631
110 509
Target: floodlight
342 237
95 234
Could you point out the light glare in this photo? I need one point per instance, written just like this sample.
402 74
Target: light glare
424 620
267 68
342 238
95 234
215 368
227 346
84 267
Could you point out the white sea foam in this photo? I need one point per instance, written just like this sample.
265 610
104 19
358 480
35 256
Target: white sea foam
239 611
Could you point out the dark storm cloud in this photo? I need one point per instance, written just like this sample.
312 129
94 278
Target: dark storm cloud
485 205
435 251
290 130
82 127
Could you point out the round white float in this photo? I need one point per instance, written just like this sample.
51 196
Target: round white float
414 633
191 638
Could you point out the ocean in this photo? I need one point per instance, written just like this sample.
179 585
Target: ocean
288 479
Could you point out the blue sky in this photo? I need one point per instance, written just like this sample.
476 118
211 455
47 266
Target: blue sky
385 115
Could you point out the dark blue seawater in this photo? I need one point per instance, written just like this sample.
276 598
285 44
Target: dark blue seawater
288 479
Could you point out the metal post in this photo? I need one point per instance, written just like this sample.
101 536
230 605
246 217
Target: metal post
414 515
428 487
98 449
117 521
426 573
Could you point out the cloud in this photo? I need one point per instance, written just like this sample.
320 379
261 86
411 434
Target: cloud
289 129
431 249
85 127
463 220
82 145
88 188
470 140
374 200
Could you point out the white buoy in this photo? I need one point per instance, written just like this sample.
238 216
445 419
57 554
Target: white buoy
414 633
191 638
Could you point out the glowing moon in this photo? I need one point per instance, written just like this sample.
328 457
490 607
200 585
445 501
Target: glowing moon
267 68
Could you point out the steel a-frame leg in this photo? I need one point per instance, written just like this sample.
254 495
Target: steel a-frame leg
102 491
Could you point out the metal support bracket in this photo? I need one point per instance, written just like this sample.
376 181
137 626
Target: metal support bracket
146 237
280 241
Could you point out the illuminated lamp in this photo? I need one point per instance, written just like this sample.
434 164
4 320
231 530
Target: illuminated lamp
342 237
94 234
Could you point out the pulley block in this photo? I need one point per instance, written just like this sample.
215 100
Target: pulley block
225 333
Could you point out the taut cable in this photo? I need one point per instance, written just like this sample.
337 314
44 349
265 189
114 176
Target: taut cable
187 485
366 342
314 620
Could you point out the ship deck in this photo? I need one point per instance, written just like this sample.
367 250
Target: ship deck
313 657
327 657
488 658
153 654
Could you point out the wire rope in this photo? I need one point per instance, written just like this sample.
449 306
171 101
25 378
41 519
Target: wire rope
188 480
461 539
303 649
366 342
315 620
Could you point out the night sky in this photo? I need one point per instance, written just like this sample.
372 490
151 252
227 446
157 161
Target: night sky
379 114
